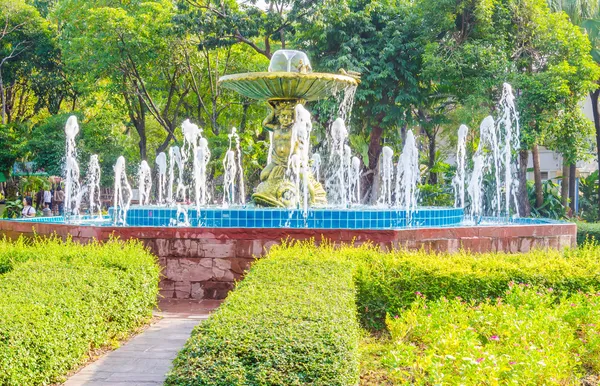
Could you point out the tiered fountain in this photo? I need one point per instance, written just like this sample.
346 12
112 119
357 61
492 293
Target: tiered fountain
302 195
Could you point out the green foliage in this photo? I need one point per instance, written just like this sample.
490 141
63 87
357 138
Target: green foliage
552 206
588 233
529 333
13 140
389 282
292 321
12 208
61 299
588 199
436 195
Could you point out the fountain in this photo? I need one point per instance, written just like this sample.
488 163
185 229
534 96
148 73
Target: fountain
205 241
122 193
72 185
288 83
93 186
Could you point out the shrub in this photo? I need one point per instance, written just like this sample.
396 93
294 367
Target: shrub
292 321
60 300
529 334
588 233
388 282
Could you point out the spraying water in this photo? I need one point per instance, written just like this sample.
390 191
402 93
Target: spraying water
496 154
508 129
72 187
175 160
336 183
145 183
459 179
93 186
236 138
354 181
270 153
408 176
475 188
161 163
230 168
201 161
123 193
299 161
316 166
386 173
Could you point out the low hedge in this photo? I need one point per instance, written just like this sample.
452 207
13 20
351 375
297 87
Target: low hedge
588 232
388 282
64 300
292 321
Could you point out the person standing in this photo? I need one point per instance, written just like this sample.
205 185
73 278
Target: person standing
47 198
59 198
39 197
28 210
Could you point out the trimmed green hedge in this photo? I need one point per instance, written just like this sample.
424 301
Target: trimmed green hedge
588 232
292 321
388 282
60 300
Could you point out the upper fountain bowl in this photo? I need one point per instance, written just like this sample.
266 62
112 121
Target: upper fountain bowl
290 76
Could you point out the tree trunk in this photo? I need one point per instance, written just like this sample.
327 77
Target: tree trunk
524 206
537 176
143 141
3 99
594 97
572 180
564 185
374 153
433 177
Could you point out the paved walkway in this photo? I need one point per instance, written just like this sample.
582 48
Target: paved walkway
146 359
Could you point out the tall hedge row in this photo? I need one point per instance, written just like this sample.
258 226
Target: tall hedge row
59 300
291 321
389 282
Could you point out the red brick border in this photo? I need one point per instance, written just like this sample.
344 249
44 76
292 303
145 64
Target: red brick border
205 262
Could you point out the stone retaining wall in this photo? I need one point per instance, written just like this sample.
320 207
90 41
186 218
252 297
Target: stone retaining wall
204 263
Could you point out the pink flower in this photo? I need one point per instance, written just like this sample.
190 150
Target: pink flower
494 337
479 360
396 316
512 363
419 294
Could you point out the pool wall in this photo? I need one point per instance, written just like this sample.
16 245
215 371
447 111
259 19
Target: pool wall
204 263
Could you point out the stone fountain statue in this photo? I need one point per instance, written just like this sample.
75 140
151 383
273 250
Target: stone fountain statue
287 85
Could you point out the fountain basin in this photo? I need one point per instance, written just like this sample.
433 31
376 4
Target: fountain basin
205 262
287 85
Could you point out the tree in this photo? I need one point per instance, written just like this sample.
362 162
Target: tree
586 14
248 24
27 54
481 43
380 40
135 55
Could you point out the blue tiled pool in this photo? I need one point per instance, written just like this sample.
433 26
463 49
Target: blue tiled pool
364 218
282 218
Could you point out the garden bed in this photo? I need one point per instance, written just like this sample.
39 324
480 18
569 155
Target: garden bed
426 319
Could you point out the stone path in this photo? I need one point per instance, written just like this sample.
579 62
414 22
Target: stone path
146 359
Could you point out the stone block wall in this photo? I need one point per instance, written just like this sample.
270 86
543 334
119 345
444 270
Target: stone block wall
205 263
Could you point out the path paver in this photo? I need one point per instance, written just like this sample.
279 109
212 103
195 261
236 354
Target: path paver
146 358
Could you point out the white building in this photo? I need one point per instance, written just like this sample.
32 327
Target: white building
551 162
